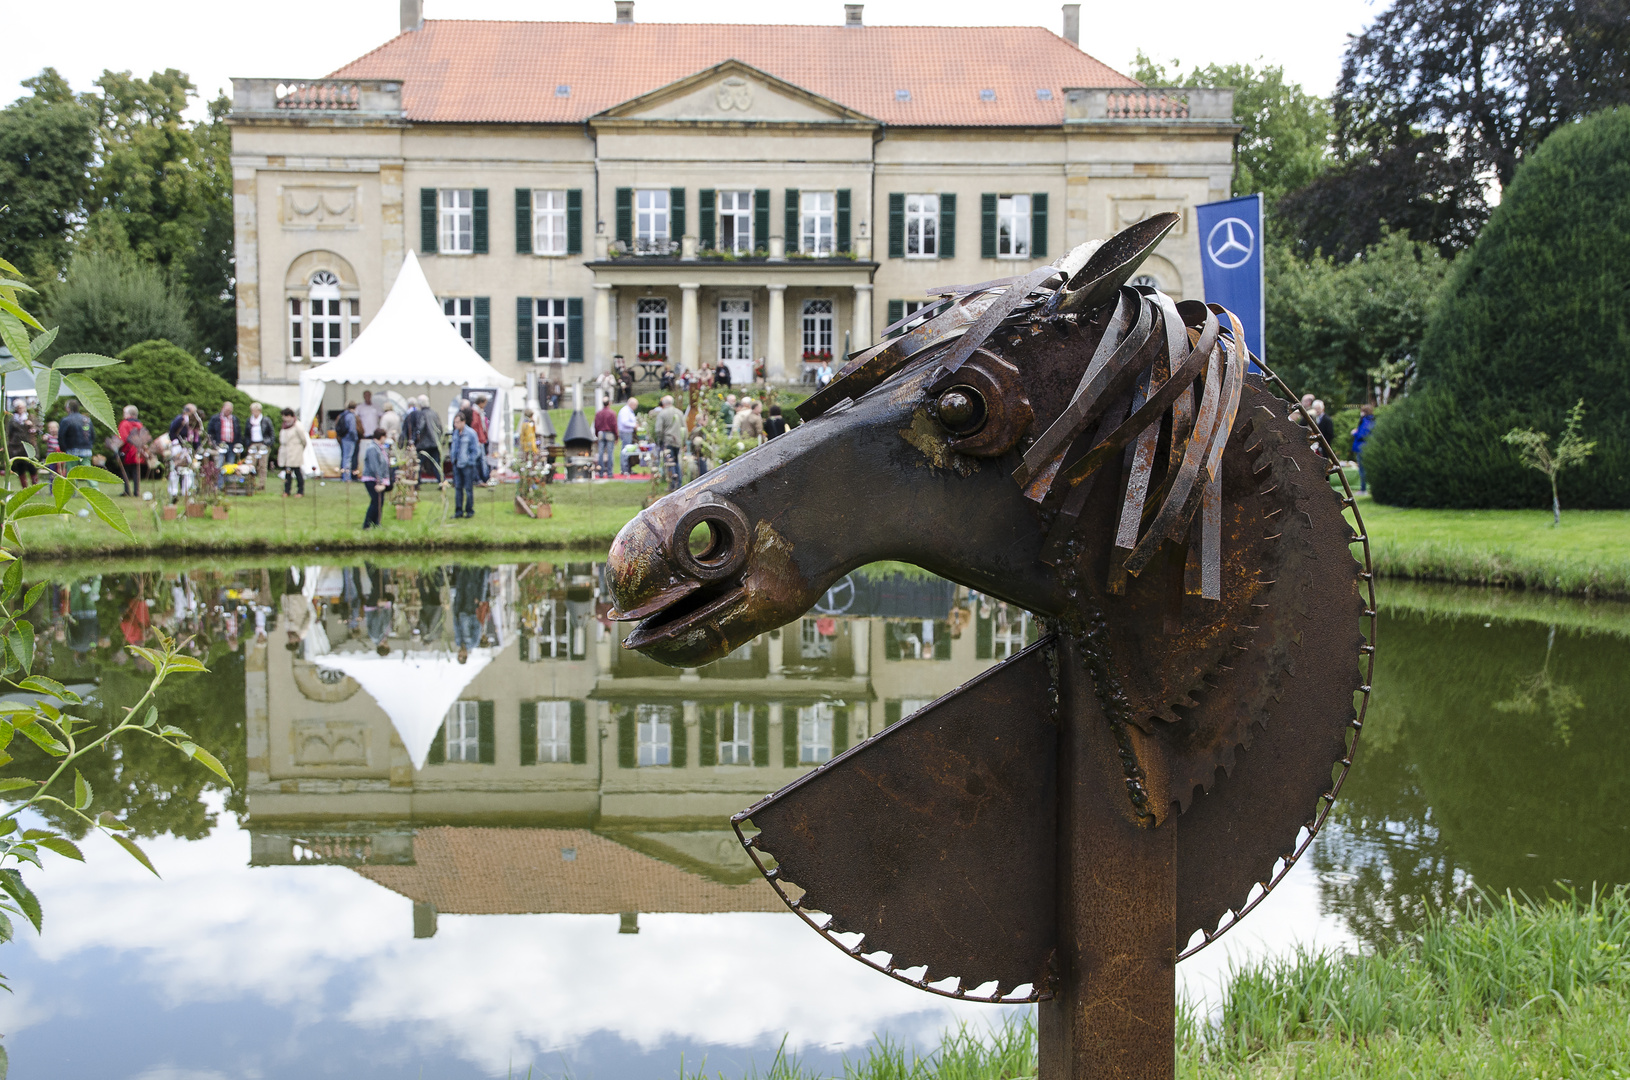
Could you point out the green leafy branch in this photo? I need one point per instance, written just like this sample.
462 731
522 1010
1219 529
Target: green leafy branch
1533 447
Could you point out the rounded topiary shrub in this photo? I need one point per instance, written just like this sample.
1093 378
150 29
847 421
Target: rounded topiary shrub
1534 317
159 378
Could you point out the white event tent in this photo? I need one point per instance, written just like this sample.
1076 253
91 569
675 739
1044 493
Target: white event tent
409 343
414 688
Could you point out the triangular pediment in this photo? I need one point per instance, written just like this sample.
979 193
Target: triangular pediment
733 92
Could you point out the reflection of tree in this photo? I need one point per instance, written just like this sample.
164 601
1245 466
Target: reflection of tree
1460 782
1540 695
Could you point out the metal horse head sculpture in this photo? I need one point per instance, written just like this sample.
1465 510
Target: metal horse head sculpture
1057 828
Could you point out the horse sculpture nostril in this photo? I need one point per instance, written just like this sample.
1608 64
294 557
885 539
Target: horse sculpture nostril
719 552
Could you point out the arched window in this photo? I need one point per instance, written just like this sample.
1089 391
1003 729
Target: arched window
325 321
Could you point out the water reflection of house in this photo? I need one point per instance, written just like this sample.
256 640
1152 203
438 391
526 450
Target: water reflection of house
557 771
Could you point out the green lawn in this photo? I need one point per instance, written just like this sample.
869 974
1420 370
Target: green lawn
1587 555
330 518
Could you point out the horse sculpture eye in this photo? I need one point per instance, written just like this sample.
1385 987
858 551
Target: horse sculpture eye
961 409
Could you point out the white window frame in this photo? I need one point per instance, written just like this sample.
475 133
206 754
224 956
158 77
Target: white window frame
463 739
654 739
549 330
1013 217
736 329
1008 637
736 207
297 328
815 726
737 749
554 735
456 226
549 221
460 311
326 320
652 218
922 226
651 327
551 630
819 327
817 218
812 644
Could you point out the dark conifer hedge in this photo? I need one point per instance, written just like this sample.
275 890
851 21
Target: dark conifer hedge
1534 317
159 378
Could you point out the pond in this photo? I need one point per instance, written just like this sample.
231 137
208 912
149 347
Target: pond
470 835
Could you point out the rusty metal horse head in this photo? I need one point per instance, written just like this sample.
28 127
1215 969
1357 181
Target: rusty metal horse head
1116 462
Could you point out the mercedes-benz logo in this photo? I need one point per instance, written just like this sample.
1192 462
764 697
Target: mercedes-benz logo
838 599
1229 250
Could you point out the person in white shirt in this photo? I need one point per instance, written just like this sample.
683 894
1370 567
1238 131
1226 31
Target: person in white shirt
628 422
391 423
368 414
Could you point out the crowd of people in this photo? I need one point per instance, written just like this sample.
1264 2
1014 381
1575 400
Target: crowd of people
672 433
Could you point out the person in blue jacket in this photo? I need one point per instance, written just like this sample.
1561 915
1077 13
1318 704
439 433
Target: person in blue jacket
464 455
1361 435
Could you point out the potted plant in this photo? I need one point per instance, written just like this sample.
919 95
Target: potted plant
532 475
404 482
208 492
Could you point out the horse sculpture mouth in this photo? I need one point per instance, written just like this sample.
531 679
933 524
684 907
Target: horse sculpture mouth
691 610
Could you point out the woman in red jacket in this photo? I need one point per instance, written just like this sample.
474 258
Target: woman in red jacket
134 439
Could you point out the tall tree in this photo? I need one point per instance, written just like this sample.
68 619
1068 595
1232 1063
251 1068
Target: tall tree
47 148
1284 142
1442 99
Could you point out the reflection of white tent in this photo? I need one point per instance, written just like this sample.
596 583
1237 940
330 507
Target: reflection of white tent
409 343
416 689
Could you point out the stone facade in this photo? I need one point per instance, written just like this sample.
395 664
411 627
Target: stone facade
334 180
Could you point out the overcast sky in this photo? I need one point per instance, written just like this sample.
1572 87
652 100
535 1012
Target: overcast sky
213 41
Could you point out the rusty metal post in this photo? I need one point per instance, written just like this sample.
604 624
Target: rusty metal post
1113 1013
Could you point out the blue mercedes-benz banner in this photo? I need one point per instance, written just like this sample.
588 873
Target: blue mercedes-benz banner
1231 262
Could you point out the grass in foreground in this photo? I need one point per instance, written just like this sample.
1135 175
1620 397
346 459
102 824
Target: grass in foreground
1514 989
330 518
1587 555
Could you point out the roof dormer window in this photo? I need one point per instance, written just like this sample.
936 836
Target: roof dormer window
1044 94
902 95
563 90
987 95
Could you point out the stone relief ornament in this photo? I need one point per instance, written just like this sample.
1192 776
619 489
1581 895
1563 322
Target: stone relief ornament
319 207
735 93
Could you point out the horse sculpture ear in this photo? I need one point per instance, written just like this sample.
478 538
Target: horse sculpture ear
983 405
1114 263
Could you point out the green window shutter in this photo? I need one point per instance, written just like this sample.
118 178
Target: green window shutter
897 225
897 311
676 213
791 231
574 329
942 641
985 639
789 738
841 223
891 713
529 733
574 221
483 326
525 349
625 217
480 220
1038 225
438 747
523 221
580 733
947 225
708 752
488 745
987 226
761 219
891 642
840 731
677 727
761 737
427 221
625 737
707 205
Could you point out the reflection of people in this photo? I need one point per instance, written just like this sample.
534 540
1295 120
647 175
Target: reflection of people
469 593
296 611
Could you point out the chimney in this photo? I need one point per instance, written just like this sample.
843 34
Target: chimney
1072 24
412 15
851 14
625 11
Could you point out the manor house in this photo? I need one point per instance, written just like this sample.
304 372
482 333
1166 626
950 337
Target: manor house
694 193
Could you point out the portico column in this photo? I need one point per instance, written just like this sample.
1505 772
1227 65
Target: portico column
775 363
602 327
862 334
690 329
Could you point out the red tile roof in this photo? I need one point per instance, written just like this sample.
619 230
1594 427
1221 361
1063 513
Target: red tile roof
490 871
508 72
